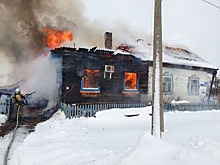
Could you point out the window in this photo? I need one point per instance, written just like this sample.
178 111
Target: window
130 82
167 84
193 85
90 81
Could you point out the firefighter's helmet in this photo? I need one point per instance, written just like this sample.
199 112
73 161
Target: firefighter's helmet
17 90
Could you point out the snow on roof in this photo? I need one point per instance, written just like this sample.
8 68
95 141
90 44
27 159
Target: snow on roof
172 55
184 57
179 55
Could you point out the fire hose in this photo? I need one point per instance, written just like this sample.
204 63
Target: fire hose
12 139
14 131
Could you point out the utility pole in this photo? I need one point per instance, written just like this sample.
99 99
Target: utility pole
157 79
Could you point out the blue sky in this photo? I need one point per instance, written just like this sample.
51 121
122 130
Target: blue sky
193 24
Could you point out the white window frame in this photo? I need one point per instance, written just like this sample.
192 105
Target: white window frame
169 90
193 88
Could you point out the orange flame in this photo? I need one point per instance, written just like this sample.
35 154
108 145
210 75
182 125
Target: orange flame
90 78
130 80
56 37
89 71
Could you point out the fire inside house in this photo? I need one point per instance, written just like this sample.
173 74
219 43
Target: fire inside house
130 81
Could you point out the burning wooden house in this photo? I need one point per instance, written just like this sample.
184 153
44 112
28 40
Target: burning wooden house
108 76
123 76
100 76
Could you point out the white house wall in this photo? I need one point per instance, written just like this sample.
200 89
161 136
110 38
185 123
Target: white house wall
180 85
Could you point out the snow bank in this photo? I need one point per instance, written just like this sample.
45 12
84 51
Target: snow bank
199 150
120 114
151 150
111 138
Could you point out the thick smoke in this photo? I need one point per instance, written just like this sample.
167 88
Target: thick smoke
22 22
22 39
41 77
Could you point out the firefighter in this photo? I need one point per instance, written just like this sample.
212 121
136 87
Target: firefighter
18 99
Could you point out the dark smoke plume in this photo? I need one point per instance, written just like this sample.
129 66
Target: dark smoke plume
21 26
22 22
22 40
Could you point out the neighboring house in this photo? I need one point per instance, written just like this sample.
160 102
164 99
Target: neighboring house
31 107
108 76
5 96
185 76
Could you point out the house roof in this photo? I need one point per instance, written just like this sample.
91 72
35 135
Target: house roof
184 57
9 89
170 55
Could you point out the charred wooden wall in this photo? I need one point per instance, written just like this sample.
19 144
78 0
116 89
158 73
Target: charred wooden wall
110 89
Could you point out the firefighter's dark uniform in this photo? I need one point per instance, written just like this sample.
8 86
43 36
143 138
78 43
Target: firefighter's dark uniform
19 101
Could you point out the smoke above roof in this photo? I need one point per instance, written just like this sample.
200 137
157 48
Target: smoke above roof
22 24
22 34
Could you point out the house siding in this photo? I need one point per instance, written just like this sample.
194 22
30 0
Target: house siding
111 89
180 85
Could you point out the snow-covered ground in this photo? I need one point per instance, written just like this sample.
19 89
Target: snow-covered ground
3 119
190 138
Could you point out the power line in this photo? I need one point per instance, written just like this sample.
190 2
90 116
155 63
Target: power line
211 4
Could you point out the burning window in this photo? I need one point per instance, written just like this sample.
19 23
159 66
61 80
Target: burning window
90 79
130 82
193 88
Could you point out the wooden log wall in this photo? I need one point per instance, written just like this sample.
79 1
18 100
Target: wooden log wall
110 89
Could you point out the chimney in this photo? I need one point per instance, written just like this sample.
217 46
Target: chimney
108 40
